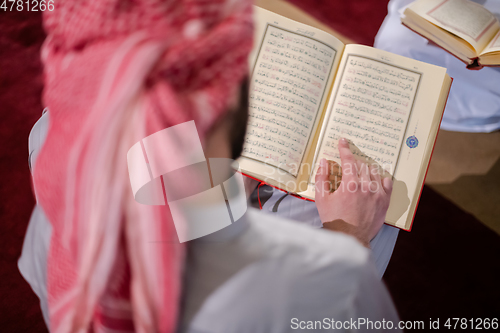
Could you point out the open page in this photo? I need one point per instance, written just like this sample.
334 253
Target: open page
293 66
494 45
463 18
387 106
491 55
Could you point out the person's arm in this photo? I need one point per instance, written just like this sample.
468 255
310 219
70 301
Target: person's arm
359 205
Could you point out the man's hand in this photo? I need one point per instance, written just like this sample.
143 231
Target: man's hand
359 205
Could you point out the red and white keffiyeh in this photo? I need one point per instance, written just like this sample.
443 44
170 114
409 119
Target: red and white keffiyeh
117 71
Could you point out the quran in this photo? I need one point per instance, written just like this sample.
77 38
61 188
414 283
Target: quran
464 28
308 89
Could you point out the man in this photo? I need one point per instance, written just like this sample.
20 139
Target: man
105 270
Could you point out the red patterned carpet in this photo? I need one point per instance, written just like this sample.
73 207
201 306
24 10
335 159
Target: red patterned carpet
446 267
21 36
356 19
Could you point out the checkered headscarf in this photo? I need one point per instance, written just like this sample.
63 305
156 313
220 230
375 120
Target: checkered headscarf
115 72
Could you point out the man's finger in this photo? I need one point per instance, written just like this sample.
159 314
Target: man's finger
322 182
387 184
375 173
349 168
364 172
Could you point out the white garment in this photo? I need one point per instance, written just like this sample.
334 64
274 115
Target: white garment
474 101
256 275
275 270
33 261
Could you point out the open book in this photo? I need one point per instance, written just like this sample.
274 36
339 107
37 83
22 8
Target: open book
308 90
464 28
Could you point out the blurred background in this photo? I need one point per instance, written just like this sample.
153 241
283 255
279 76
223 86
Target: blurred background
447 266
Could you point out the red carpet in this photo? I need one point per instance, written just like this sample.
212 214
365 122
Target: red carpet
446 267
356 19
20 106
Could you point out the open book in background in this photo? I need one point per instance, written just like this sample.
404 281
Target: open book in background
462 27
308 89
